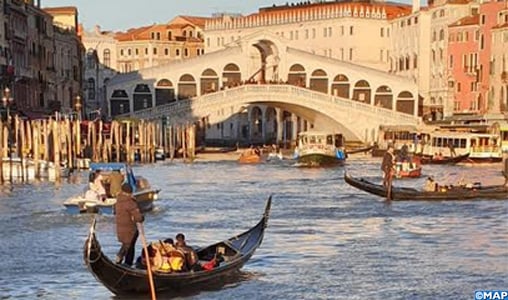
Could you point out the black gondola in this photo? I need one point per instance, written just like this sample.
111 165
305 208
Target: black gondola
496 192
124 280
359 150
429 160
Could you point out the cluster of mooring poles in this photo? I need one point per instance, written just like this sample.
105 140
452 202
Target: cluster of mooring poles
49 148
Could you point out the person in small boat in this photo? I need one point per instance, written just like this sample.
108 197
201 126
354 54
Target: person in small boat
116 178
388 165
127 214
438 156
191 258
98 186
430 185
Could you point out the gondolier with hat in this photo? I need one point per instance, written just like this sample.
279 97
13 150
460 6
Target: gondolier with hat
127 214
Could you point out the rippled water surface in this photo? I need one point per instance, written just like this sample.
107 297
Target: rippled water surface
325 240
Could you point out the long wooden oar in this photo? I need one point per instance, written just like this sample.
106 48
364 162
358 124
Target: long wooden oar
147 258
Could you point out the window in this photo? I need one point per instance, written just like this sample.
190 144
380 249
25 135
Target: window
350 53
458 86
107 57
450 62
170 37
441 35
341 30
121 52
325 32
186 52
154 51
351 30
482 46
166 51
177 52
90 88
434 36
382 31
306 34
313 33
483 19
381 55
129 52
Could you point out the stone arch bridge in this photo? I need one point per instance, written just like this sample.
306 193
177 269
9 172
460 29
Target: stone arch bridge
273 111
259 89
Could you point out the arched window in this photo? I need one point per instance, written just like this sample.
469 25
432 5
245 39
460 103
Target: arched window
107 58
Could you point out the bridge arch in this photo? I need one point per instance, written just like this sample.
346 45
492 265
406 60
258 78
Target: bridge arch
341 86
164 92
142 97
187 87
319 81
297 75
405 102
383 97
361 91
209 81
231 75
120 102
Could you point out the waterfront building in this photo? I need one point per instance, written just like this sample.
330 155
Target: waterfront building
108 53
463 63
65 61
4 48
499 71
419 51
357 32
99 65
475 55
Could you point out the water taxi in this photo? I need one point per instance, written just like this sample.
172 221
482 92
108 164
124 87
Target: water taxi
316 148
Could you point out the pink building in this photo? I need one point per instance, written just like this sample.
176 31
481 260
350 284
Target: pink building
489 18
463 38
470 59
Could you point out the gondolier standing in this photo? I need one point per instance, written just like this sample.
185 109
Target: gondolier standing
127 214
388 168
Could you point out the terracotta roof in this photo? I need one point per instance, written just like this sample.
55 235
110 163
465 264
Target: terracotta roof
131 34
199 21
466 21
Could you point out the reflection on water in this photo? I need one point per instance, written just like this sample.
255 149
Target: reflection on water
325 240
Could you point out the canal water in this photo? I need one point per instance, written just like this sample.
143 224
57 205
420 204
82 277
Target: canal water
325 239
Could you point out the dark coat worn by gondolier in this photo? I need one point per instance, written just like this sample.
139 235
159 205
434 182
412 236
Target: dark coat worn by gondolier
127 215
387 165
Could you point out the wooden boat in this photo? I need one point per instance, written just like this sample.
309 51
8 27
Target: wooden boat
249 156
411 169
126 281
87 202
359 150
454 193
316 148
429 160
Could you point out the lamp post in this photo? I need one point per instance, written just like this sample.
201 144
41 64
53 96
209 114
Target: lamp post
77 106
6 101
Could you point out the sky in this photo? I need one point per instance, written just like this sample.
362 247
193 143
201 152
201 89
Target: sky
120 15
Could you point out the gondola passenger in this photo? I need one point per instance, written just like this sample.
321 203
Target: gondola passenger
191 258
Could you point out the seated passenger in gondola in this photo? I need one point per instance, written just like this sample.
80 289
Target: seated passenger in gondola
430 185
191 258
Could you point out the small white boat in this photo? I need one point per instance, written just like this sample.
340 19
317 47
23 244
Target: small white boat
89 201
